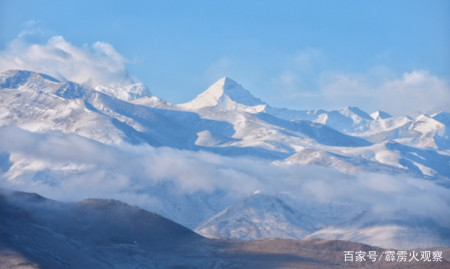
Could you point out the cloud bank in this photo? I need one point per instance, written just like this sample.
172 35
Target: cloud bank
70 167
412 93
310 79
98 64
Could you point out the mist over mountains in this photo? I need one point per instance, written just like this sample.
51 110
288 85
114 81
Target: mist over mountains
229 165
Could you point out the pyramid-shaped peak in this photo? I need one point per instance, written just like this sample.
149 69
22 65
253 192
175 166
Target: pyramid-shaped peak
356 111
224 93
227 83
380 115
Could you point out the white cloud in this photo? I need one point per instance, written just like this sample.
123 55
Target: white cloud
70 167
308 79
99 64
413 92
408 94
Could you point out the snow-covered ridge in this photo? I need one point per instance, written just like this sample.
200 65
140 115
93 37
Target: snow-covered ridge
128 93
228 95
13 79
266 217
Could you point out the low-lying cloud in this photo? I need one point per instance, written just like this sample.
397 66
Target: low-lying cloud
171 181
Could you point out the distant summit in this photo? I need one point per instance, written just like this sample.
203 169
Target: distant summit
380 115
128 92
352 111
226 94
12 79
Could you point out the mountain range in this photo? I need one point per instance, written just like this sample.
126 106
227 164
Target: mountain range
59 135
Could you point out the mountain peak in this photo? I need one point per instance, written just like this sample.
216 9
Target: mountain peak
349 110
226 94
16 78
380 115
127 92
13 79
227 83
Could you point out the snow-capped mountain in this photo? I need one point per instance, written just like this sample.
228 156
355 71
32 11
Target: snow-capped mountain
39 103
225 120
258 216
226 94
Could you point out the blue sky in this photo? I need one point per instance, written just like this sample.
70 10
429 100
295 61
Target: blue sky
298 54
